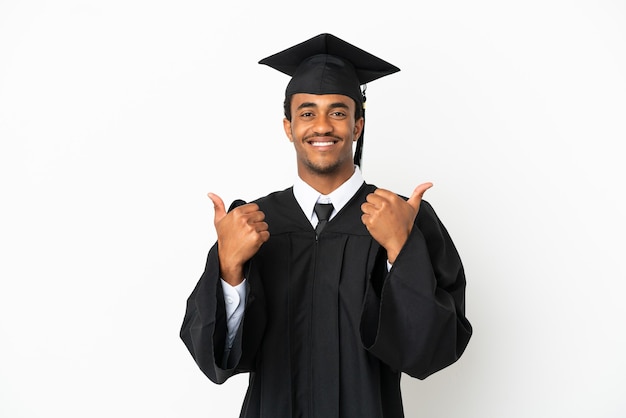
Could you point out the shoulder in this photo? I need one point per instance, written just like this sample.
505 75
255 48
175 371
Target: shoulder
426 209
365 189
282 212
268 201
426 214
275 199
429 223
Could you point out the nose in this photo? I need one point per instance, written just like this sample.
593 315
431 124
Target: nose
322 125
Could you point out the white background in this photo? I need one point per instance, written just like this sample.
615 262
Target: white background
116 118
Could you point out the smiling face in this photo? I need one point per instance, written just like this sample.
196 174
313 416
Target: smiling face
323 129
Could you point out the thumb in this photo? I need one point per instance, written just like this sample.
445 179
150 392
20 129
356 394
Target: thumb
417 195
218 205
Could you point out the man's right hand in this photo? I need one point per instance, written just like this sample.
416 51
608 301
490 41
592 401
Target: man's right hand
240 234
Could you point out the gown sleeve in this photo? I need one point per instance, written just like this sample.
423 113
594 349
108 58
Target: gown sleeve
204 326
414 316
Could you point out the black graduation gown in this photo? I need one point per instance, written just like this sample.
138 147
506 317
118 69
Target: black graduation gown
327 331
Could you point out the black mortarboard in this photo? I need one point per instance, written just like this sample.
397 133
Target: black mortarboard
326 64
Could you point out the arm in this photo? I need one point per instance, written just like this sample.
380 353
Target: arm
414 315
206 328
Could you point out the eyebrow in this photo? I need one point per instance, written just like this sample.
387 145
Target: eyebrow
335 105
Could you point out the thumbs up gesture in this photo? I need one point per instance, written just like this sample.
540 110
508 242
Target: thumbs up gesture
389 218
240 234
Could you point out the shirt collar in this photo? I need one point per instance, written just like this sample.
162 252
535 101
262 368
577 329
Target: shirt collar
307 196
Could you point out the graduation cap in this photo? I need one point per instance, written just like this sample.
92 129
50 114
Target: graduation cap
326 64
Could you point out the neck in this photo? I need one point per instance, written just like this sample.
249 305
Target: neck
325 183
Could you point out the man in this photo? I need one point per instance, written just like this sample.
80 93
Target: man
326 310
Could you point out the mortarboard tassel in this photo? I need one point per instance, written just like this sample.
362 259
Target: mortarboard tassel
358 152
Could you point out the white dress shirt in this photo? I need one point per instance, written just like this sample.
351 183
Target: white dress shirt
307 196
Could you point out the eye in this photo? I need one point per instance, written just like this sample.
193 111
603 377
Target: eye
338 114
306 114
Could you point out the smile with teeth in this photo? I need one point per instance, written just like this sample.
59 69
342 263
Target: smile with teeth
321 143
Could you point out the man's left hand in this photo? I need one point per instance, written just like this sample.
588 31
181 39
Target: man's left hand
389 218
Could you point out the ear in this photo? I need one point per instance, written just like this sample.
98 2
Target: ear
287 128
358 128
